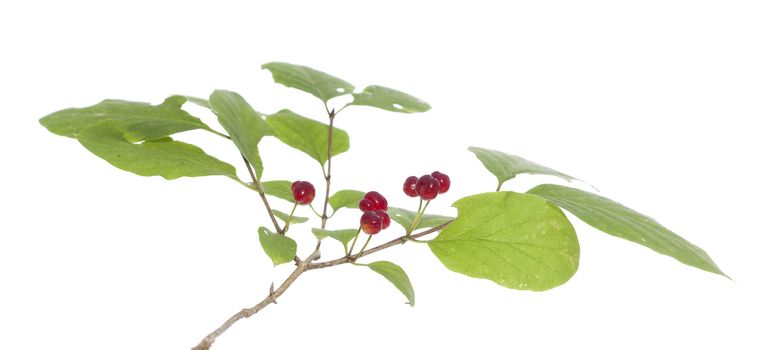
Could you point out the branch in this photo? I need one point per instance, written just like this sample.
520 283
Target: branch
246 313
261 191
392 243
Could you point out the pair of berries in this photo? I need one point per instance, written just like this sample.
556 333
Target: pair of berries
303 192
375 217
428 186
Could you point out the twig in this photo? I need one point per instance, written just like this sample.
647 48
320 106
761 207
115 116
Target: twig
392 243
261 191
327 175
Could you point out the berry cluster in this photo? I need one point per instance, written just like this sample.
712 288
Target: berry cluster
375 217
303 192
428 186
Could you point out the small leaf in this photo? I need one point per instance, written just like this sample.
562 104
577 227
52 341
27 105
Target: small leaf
307 135
517 240
139 121
506 166
279 248
279 188
317 83
389 99
244 125
346 199
343 236
405 218
617 220
294 219
163 157
397 276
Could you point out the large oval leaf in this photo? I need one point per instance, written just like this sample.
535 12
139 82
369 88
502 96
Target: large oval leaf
397 276
516 240
389 99
139 121
614 218
244 125
163 157
506 166
279 248
317 83
307 135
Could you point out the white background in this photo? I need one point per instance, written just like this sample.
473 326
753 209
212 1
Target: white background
657 103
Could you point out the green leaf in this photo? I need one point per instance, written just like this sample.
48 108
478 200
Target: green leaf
244 125
163 157
139 121
517 240
405 218
279 248
294 219
389 99
317 83
307 135
506 166
279 188
397 276
343 236
617 220
345 199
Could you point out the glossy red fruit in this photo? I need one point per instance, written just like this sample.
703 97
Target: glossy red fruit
444 181
380 203
386 220
409 187
428 187
371 223
303 192
366 205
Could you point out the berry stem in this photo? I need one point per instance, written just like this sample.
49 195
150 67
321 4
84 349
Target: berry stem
417 219
258 187
352 246
288 220
362 250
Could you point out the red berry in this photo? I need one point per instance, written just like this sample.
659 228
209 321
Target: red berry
303 192
371 223
409 187
428 187
365 205
444 181
380 203
386 220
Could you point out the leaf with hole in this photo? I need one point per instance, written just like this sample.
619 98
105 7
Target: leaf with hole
279 248
307 135
517 240
244 125
506 166
397 276
163 157
345 199
620 221
389 99
139 121
405 218
343 236
314 82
